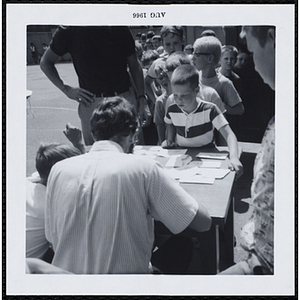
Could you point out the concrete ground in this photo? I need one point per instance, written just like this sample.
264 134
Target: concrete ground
48 111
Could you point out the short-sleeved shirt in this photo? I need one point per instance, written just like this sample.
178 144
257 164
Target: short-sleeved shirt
260 229
99 55
195 129
100 208
209 94
36 242
224 87
160 109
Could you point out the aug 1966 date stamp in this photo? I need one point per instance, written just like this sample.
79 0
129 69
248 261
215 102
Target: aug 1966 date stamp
152 15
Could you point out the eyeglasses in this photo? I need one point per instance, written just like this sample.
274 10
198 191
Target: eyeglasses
197 54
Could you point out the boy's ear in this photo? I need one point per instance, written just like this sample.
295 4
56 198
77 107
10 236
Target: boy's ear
197 89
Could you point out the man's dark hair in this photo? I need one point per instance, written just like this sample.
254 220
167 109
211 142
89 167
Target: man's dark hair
49 154
114 117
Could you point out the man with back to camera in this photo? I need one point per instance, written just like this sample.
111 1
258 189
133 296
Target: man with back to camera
100 206
100 57
257 236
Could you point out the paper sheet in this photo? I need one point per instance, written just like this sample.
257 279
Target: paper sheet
197 179
221 156
176 161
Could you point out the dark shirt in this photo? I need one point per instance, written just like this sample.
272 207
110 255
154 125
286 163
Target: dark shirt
99 55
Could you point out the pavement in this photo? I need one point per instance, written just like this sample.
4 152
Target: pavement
48 111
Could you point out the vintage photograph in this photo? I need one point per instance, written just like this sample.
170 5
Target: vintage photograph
150 149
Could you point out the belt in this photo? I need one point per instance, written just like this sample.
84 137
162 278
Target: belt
110 94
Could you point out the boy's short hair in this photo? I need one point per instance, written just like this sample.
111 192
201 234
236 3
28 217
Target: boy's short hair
175 30
49 154
143 36
177 59
114 117
208 32
148 56
185 74
150 34
188 47
156 37
229 48
209 44
260 32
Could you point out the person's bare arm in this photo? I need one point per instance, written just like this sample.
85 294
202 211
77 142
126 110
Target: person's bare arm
38 266
78 94
138 80
202 220
74 135
235 110
229 136
170 141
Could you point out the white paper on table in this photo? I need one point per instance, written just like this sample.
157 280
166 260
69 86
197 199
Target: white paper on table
178 161
182 173
197 179
206 163
214 173
221 156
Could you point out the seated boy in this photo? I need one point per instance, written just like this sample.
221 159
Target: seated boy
207 52
47 155
191 121
228 58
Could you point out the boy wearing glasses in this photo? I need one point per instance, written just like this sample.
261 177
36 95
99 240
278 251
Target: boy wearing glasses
207 52
191 121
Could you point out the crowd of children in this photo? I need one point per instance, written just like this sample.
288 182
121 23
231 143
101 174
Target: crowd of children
191 93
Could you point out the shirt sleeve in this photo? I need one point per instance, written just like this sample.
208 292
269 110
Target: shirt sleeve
60 40
217 118
169 202
232 96
167 117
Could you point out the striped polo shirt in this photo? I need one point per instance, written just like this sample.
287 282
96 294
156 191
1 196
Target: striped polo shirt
195 129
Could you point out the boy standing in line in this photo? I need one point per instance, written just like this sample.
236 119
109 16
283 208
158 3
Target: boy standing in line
207 52
191 121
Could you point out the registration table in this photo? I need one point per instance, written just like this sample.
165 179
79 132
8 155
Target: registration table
216 246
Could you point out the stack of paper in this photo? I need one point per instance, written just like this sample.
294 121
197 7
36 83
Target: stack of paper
208 155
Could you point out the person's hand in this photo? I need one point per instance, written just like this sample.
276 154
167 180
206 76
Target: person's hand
38 266
168 144
74 135
235 165
80 95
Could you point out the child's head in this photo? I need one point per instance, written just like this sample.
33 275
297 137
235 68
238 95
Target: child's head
156 41
160 50
242 59
172 37
148 57
188 49
49 154
150 34
185 87
161 75
175 60
208 32
207 52
228 57
149 44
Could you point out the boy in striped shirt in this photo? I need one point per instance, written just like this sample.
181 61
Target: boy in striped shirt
191 121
